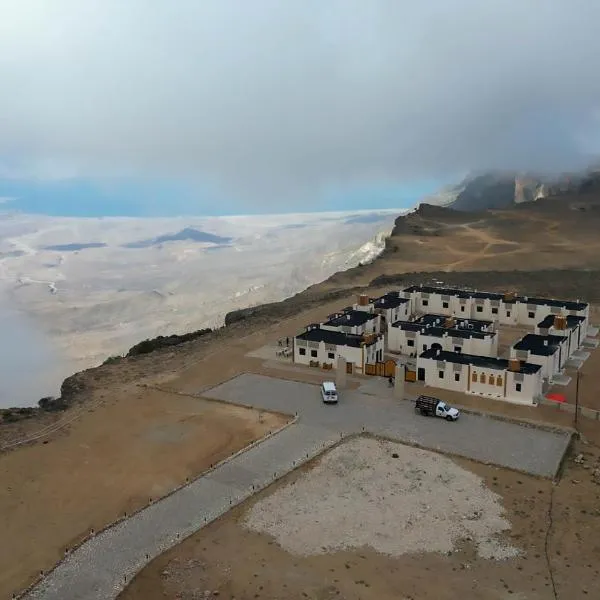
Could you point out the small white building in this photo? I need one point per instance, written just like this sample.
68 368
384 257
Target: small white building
358 322
548 351
392 307
324 346
510 380
466 336
570 327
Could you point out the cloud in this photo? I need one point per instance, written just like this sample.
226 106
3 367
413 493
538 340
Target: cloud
6 199
274 99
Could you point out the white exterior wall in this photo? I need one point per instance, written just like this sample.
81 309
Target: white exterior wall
371 326
470 381
364 307
549 364
350 353
398 341
570 335
399 313
492 385
531 387
508 313
485 314
448 382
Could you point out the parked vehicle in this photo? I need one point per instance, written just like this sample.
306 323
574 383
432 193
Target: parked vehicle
329 392
433 407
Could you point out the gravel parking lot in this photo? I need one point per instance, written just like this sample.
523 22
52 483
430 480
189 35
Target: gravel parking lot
388 496
524 448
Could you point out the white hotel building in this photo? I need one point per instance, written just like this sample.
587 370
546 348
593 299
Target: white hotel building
511 380
317 344
507 309
466 336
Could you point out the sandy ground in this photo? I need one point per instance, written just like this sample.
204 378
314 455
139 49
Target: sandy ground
554 527
111 462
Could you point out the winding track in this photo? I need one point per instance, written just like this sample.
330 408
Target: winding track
102 566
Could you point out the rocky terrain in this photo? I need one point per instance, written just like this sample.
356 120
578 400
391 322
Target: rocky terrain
495 190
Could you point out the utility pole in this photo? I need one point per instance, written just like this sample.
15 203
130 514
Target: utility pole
577 398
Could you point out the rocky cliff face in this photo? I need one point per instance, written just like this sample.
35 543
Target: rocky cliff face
503 190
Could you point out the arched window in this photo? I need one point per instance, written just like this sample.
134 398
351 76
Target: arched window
491 380
474 377
499 381
482 378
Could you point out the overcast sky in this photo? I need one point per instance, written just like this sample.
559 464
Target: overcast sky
278 98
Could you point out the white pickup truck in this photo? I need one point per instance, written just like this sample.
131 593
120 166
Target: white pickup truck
429 406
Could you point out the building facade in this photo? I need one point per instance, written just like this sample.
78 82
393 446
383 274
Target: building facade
548 351
509 380
570 327
357 322
323 346
507 309
466 336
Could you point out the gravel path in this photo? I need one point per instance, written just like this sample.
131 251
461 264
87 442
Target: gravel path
99 569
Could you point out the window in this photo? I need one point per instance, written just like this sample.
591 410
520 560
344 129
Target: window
531 314
494 311
445 304
518 387
456 376
474 377
424 347
457 349
499 381
425 302
441 374
508 313
462 308
491 380
410 343
302 351
479 308
314 353
330 355
482 378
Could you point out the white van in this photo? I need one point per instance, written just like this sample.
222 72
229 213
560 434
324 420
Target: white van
329 392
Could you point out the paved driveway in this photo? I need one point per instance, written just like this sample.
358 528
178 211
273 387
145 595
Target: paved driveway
100 568
503 443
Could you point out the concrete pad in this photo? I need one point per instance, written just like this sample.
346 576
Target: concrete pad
592 331
574 363
581 355
561 379
590 343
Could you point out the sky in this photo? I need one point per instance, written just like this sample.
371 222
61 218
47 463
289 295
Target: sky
224 106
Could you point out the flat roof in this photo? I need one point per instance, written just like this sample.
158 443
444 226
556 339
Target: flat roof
572 321
485 362
337 338
390 300
351 318
433 325
459 323
566 304
541 345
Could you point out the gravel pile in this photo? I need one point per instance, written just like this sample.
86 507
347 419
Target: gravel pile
394 498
